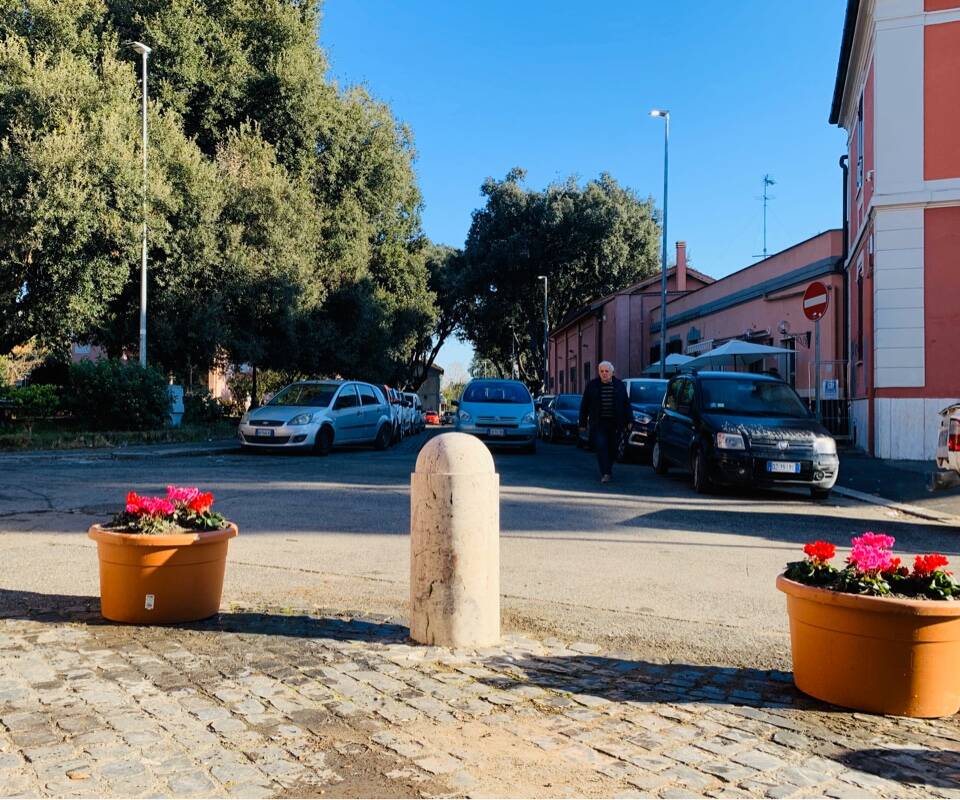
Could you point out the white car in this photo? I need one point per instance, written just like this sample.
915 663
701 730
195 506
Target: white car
319 415
948 448
414 408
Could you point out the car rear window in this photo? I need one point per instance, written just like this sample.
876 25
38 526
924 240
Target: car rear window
496 393
317 395
746 397
649 392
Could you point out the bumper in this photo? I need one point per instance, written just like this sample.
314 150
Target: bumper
282 437
522 436
746 469
565 433
640 439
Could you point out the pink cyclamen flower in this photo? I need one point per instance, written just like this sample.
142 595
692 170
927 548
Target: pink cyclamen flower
871 539
157 506
869 558
182 494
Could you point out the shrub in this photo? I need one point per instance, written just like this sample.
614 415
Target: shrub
114 395
32 403
200 408
241 386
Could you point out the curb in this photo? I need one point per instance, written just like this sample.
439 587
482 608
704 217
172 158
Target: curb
905 508
133 455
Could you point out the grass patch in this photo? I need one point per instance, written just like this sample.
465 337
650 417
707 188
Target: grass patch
69 436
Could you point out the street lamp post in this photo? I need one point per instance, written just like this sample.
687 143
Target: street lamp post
144 51
546 339
663 249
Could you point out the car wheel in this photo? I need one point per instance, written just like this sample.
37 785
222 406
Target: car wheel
657 460
698 466
553 435
323 444
819 494
383 438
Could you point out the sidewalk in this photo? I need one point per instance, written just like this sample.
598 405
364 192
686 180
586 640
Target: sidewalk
903 482
262 703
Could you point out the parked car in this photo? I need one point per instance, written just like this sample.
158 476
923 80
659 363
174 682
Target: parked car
394 399
415 412
742 429
541 404
499 412
448 418
319 415
560 418
646 398
948 449
432 418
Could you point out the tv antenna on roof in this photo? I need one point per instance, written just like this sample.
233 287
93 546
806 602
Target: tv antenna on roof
767 182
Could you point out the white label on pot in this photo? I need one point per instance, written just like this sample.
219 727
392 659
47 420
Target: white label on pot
148 602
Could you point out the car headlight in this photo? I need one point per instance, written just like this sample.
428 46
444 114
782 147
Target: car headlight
825 445
301 419
731 441
528 419
245 419
643 419
464 416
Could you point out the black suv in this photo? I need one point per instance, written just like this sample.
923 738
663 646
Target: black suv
731 428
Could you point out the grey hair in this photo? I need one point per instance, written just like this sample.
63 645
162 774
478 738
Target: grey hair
607 364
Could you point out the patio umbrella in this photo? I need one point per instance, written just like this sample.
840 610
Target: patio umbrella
673 364
730 351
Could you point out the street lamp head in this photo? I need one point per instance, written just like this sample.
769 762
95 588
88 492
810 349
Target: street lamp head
140 47
657 112
541 277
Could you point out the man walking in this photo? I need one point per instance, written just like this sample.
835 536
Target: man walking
606 407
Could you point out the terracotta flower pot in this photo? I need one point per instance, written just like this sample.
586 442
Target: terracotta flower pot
878 654
161 579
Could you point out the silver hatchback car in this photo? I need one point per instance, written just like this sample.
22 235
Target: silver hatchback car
319 415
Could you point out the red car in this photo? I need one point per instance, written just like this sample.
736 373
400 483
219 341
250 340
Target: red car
433 418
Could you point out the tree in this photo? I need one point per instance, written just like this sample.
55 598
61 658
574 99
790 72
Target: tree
588 240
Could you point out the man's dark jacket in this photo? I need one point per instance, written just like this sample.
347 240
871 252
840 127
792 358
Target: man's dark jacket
590 404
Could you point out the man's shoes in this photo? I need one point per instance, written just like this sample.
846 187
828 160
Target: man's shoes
605 479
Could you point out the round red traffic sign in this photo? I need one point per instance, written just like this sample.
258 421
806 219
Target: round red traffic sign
815 301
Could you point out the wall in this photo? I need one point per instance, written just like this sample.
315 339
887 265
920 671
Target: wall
941 95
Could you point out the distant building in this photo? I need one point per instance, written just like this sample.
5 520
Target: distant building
897 95
430 390
615 328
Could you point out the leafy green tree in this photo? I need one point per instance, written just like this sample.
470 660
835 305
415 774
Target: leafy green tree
589 240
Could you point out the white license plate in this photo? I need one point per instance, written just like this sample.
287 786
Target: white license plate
791 467
264 432
497 432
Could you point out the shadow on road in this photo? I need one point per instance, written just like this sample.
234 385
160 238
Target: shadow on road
84 609
939 768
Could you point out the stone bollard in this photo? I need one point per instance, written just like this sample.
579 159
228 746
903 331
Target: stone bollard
455 544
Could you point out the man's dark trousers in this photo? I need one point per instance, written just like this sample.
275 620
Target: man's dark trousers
607 441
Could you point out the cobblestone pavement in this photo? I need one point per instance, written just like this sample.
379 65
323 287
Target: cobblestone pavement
262 703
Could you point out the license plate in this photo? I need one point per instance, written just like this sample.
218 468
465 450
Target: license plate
497 432
264 432
791 467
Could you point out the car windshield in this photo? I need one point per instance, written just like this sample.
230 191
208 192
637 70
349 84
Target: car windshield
496 393
316 395
747 397
648 392
567 402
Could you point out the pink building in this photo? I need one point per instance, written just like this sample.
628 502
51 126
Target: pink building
762 303
897 95
615 328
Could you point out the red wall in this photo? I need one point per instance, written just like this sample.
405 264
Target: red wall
861 366
940 5
941 297
860 198
941 100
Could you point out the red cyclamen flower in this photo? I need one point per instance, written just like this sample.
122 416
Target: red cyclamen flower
820 552
927 565
201 503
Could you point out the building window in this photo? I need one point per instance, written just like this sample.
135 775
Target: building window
859 354
860 143
573 378
654 353
586 371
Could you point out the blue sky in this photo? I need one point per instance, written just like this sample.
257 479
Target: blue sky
565 88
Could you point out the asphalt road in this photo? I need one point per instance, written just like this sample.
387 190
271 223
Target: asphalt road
642 565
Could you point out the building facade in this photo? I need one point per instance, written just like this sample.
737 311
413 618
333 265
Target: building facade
763 303
897 95
429 390
615 328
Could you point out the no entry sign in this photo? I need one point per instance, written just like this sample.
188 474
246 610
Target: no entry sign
815 301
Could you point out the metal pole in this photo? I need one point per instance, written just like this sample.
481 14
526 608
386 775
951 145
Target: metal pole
816 367
663 249
546 341
143 251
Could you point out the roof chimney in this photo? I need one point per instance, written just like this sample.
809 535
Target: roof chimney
681 280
